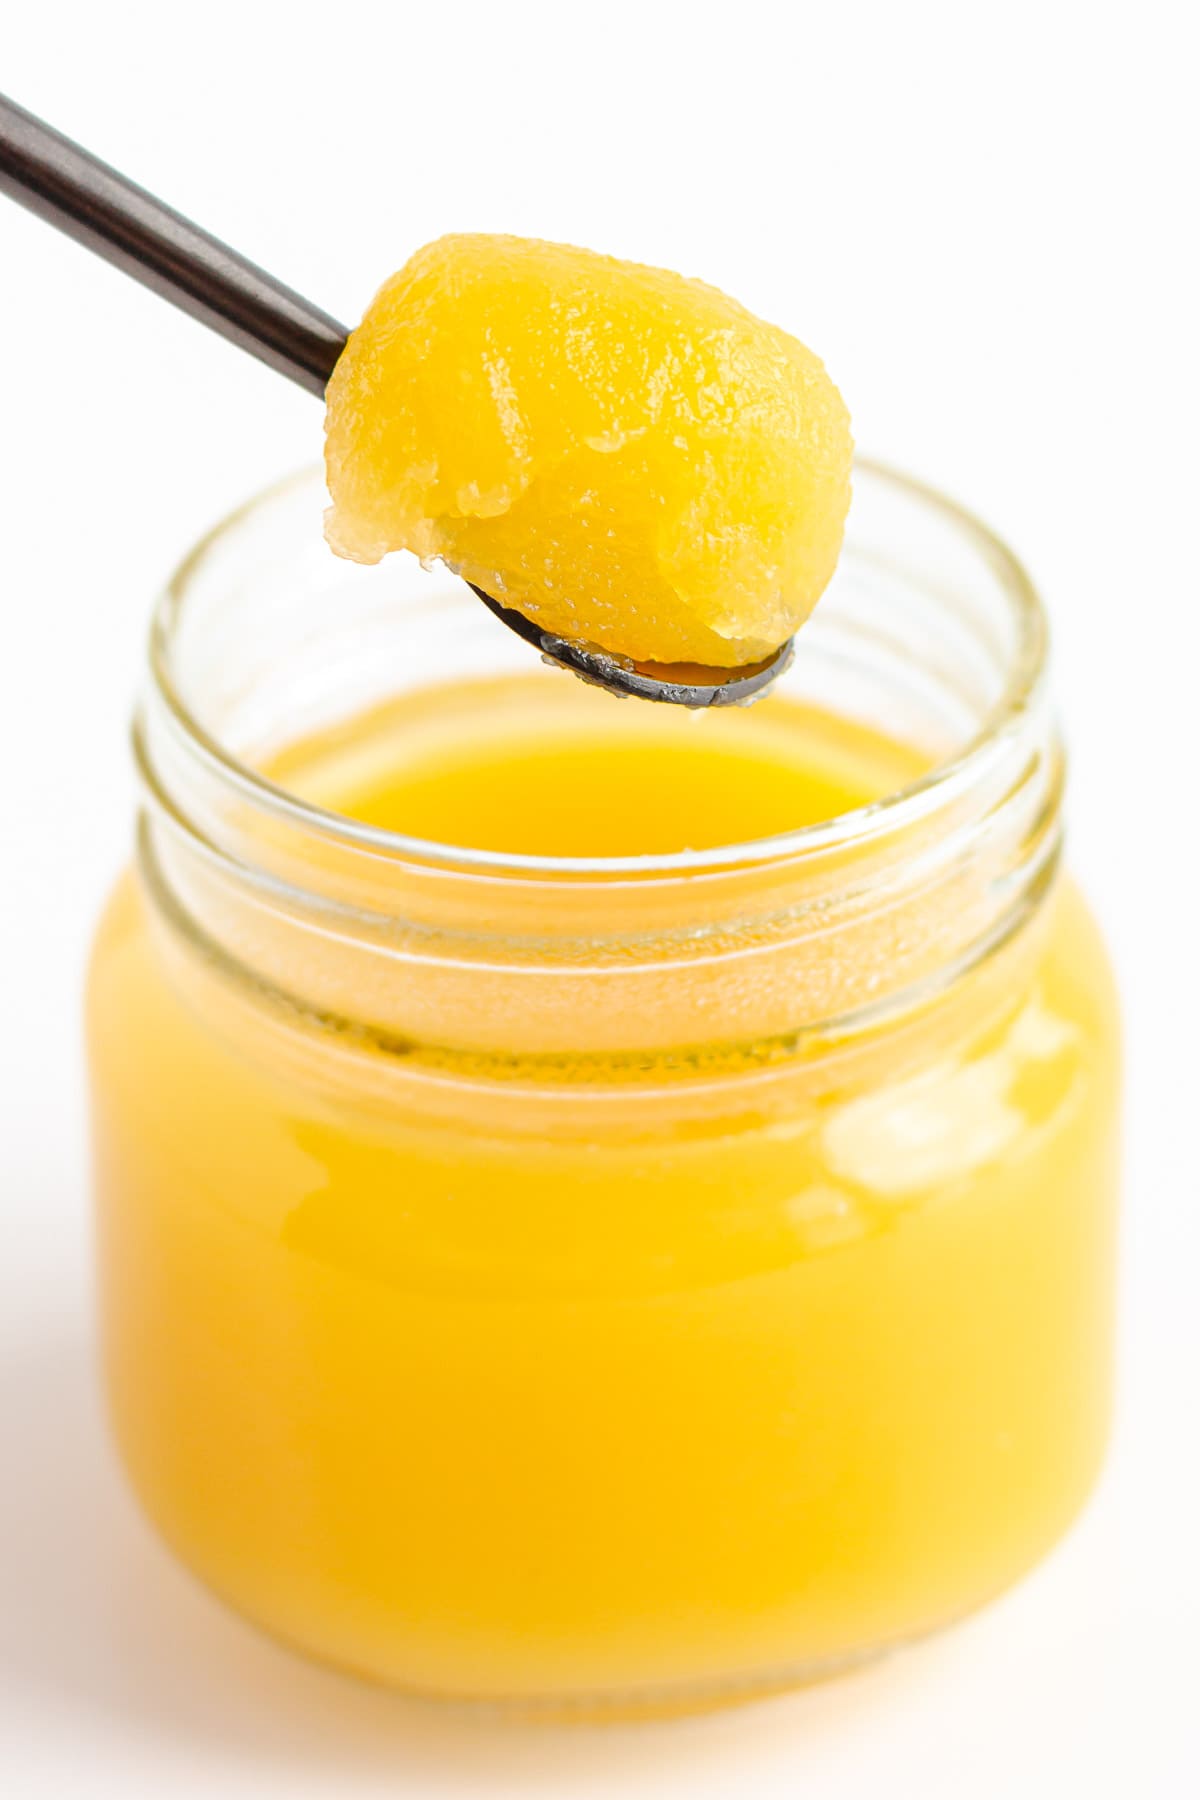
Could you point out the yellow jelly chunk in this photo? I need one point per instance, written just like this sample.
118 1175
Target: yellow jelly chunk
628 457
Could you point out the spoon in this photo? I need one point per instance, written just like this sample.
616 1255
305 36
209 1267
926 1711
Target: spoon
68 187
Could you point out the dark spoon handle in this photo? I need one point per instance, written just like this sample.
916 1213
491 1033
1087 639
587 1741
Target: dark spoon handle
69 188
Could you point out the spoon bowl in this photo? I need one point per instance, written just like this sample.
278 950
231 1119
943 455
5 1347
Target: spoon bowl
693 685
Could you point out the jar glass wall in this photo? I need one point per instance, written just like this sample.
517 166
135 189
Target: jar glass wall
602 1280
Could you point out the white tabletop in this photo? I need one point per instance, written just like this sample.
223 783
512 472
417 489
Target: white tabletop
985 221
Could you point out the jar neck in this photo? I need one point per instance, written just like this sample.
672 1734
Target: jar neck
747 953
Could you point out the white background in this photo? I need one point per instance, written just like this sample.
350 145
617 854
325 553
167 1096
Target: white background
984 216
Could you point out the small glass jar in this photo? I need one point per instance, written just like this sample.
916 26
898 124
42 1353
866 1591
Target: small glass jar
614 1283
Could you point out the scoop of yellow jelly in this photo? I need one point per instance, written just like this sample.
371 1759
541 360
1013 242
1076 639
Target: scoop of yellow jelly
628 457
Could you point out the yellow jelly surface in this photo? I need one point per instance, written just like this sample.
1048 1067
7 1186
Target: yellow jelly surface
630 458
612 1380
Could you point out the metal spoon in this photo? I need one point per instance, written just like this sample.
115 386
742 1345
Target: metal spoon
121 222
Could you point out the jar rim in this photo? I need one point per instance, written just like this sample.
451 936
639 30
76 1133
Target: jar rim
926 794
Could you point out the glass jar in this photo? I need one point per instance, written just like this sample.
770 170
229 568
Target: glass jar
619 1283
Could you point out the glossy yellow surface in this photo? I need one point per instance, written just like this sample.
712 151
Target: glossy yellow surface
629 457
627 1385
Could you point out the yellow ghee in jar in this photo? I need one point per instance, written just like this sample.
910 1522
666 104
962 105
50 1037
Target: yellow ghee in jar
596 1375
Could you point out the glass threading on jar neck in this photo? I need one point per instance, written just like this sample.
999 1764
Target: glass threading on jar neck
931 631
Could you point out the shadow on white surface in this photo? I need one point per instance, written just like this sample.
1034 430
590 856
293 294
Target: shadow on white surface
100 1630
